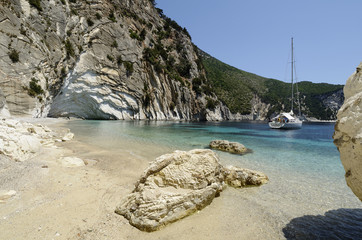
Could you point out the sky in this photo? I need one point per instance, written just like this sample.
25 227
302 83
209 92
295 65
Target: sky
255 35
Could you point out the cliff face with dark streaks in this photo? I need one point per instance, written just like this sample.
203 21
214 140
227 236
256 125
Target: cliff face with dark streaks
98 60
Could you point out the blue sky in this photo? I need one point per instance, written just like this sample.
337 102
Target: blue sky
254 35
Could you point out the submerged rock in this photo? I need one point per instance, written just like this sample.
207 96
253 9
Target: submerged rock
240 177
226 146
348 132
176 185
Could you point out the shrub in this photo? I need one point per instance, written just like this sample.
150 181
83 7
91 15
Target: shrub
142 35
196 83
172 106
36 4
34 88
208 90
129 67
133 34
98 16
112 17
62 1
14 55
73 11
119 60
110 58
69 48
90 22
115 44
147 97
211 104
22 31
73 1
183 68
158 67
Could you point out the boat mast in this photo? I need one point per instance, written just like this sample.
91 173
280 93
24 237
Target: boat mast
292 75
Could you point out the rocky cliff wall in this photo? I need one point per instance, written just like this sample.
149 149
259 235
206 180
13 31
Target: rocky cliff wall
348 132
98 60
4 112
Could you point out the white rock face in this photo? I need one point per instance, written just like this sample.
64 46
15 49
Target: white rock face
4 112
21 140
178 184
348 132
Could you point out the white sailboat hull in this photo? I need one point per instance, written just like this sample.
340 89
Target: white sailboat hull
290 125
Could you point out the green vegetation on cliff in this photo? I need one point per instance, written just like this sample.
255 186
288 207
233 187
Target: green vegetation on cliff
236 88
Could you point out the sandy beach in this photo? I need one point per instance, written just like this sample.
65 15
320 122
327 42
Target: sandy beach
57 202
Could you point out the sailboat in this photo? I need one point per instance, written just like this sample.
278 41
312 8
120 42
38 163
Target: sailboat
288 120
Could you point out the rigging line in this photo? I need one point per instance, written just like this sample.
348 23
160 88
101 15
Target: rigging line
296 84
292 72
286 78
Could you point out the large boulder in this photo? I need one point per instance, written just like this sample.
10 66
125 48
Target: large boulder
176 185
348 132
226 146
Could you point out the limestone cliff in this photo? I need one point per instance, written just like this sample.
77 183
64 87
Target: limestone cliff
4 112
348 132
111 59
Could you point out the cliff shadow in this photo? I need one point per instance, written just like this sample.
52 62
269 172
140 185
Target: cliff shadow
335 224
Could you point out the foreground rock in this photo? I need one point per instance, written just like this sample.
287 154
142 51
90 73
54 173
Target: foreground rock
21 140
226 146
348 132
176 185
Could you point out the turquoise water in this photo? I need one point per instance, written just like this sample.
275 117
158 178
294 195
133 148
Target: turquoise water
306 175
309 150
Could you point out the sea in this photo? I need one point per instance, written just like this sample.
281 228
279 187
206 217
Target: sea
306 198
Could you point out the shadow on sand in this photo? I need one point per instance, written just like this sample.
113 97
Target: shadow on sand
335 224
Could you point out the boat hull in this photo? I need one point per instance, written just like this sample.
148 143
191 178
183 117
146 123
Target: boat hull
290 125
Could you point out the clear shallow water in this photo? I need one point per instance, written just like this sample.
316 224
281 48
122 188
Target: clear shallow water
306 176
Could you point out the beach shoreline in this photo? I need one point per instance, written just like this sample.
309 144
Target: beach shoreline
57 202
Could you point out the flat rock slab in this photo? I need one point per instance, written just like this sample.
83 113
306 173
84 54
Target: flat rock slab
178 184
71 162
231 147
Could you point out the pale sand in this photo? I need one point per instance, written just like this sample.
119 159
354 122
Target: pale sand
55 202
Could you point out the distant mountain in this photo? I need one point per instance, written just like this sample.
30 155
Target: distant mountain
239 90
